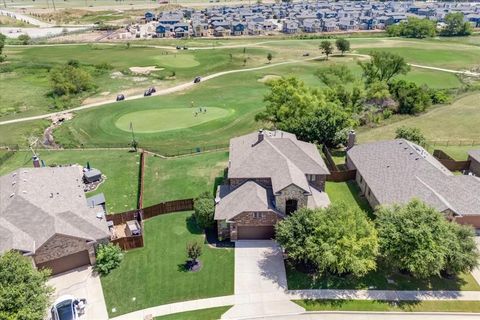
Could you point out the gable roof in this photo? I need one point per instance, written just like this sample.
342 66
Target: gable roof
397 171
37 203
279 156
474 154
249 197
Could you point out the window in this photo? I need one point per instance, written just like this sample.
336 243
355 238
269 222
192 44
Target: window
257 215
311 177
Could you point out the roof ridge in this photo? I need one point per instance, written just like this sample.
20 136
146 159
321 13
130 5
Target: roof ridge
438 195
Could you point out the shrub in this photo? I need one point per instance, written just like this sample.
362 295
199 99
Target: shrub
70 80
439 96
411 134
24 39
109 257
204 209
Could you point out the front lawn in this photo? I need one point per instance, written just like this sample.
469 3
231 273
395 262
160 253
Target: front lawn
398 306
204 314
182 178
120 167
154 275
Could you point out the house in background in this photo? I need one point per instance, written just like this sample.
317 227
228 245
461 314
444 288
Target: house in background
271 174
396 171
44 215
474 158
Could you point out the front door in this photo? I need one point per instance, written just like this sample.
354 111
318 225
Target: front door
290 206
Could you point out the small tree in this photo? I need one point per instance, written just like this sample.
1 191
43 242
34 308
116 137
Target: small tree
269 57
411 98
410 133
128 45
109 257
24 293
204 208
2 44
383 66
343 45
326 47
24 39
194 251
244 61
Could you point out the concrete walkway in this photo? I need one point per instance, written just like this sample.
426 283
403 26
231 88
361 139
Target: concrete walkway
355 315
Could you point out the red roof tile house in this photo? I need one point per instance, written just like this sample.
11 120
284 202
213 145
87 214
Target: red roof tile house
271 174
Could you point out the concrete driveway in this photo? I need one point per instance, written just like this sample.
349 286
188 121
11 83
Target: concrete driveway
82 283
260 281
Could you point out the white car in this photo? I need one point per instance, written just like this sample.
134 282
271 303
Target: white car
67 307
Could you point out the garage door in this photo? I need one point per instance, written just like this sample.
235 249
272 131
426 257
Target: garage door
66 263
263 232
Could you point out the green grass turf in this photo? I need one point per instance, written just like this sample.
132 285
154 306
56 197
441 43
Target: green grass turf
204 314
154 274
149 121
349 193
120 167
453 124
378 280
398 306
182 178
456 152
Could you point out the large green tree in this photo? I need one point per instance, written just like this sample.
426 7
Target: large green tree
24 293
343 45
455 25
413 28
335 74
418 239
70 79
383 66
339 239
326 47
411 98
411 134
2 44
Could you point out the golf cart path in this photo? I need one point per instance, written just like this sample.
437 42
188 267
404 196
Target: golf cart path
22 17
190 84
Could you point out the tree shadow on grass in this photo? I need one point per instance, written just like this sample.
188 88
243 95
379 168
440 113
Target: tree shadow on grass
192 226
359 199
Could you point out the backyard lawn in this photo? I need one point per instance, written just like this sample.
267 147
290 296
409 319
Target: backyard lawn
396 306
347 192
154 275
204 314
120 167
182 178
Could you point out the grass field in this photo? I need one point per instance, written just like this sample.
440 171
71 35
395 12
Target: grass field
347 192
120 167
154 275
204 314
182 178
392 306
149 121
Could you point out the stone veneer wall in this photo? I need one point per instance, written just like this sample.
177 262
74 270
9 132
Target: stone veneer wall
59 246
289 193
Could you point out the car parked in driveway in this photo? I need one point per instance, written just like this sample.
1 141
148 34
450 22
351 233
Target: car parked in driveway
67 307
149 91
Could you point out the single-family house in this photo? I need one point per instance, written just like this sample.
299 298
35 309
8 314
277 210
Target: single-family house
149 16
238 29
45 216
396 171
271 174
162 31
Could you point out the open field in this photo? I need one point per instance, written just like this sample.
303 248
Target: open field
154 275
393 306
204 314
120 167
182 178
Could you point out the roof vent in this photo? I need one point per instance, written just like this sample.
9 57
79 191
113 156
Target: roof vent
14 174
12 194
51 195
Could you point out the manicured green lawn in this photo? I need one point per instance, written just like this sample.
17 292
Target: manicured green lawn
182 178
149 121
120 167
205 314
451 124
154 274
378 280
347 192
456 152
398 306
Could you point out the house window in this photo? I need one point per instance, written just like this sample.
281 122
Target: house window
291 206
257 215
311 177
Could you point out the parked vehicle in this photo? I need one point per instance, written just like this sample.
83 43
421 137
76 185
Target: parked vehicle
185 48
306 54
197 80
178 47
67 307
149 92
120 97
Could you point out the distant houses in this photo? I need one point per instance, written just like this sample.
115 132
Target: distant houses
300 17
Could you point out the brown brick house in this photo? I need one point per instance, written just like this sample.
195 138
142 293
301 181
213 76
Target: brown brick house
45 216
271 174
397 171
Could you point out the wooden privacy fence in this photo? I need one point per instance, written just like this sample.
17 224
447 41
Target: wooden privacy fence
122 218
450 163
127 243
337 175
332 166
167 207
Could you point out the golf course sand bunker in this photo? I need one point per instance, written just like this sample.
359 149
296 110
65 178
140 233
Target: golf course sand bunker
158 120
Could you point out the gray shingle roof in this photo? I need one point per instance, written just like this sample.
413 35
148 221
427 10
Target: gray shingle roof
397 171
475 154
249 197
37 203
280 157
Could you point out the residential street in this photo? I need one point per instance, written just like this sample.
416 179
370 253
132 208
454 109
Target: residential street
374 316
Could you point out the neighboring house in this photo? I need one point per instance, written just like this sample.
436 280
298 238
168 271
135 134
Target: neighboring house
238 29
474 157
396 171
271 174
149 16
161 30
44 215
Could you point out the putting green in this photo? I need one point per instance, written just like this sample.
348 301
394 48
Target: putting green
158 120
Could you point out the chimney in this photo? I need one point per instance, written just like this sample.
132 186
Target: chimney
260 135
351 139
36 161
